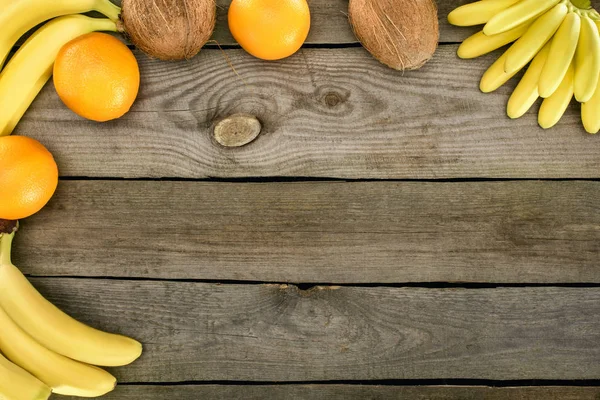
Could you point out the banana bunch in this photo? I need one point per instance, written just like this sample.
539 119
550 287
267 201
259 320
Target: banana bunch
49 351
560 41
31 66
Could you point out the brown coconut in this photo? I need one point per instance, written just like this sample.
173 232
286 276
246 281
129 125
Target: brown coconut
169 29
402 34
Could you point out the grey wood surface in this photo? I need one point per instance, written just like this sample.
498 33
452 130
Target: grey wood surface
205 332
343 232
329 24
350 392
325 113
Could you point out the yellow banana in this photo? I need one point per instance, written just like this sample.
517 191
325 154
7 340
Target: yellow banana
479 12
554 107
24 15
480 44
18 384
4 4
587 60
31 66
517 14
562 50
63 375
590 112
526 93
52 328
524 49
495 76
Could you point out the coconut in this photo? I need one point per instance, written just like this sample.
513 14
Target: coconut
402 34
169 29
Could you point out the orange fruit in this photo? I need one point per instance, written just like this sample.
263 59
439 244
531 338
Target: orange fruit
269 29
97 77
28 177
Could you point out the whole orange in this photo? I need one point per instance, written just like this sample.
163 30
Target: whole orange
97 77
269 29
28 177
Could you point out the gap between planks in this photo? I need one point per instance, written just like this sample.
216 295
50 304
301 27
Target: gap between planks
308 179
309 286
339 391
453 383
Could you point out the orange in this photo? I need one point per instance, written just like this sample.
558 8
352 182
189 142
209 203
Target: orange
28 177
97 77
269 29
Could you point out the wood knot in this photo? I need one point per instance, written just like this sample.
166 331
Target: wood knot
305 289
332 99
237 130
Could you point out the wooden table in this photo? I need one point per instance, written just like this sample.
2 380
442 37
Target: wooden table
388 235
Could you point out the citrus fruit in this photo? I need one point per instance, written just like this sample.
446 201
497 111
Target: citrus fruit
269 29
97 77
28 177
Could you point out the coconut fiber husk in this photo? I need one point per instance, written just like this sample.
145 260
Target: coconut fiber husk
402 34
169 29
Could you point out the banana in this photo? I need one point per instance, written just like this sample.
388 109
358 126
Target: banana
554 107
4 4
587 60
517 14
524 49
526 93
63 375
26 14
562 50
495 76
480 44
590 112
21 108
479 12
51 327
18 384
31 66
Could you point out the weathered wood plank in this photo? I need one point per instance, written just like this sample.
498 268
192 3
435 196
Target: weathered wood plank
329 23
350 392
325 113
198 331
318 232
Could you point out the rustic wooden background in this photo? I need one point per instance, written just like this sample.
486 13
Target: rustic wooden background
388 235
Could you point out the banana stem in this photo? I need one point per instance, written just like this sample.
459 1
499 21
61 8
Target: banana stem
109 9
582 4
7 226
5 248
7 233
104 24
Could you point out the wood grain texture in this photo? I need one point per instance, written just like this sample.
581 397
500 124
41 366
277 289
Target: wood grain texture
329 23
318 232
205 332
325 113
349 392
